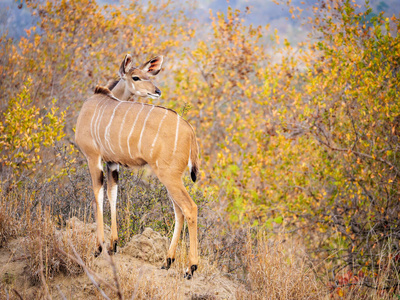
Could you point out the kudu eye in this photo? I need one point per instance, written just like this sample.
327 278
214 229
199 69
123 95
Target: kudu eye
135 78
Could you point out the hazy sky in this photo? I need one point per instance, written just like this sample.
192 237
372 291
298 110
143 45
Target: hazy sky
262 12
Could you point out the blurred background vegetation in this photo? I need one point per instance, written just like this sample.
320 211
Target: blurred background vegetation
295 105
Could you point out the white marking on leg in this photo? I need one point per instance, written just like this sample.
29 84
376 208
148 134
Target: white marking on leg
178 222
107 131
113 200
144 125
100 199
122 126
133 127
176 232
100 165
113 167
157 163
158 131
176 134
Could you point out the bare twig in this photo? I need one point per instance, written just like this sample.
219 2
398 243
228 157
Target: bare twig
61 293
43 279
137 284
90 274
114 269
362 155
203 74
18 294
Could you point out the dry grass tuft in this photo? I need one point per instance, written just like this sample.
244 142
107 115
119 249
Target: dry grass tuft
41 246
144 286
9 227
279 270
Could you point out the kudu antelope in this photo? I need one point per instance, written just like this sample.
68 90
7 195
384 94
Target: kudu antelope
121 132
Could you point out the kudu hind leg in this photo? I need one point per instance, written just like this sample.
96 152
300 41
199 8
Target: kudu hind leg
189 209
179 219
96 172
112 190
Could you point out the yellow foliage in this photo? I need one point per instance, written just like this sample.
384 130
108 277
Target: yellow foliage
26 131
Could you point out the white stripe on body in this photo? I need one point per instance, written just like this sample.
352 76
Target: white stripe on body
176 134
93 117
97 125
144 125
107 131
122 126
158 131
133 127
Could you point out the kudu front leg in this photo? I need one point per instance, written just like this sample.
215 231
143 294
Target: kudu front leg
112 190
96 172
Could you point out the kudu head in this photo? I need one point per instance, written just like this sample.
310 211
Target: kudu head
137 80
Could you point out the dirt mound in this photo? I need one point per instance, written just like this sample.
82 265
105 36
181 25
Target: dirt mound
149 246
137 266
89 229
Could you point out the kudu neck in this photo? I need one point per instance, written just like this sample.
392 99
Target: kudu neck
120 91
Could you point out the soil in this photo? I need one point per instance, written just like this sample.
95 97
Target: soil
138 265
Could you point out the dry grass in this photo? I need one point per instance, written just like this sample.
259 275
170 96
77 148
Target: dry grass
279 270
269 269
42 241
9 226
273 268
144 287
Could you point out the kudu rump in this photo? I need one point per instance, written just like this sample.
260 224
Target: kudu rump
122 132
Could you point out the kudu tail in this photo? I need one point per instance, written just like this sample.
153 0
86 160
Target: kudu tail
194 163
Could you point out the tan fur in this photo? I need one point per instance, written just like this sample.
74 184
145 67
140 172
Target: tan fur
135 134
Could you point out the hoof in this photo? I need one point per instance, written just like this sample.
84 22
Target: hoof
98 251
169 262
189 274
113 249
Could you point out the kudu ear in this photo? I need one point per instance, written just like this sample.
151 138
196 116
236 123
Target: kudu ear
125 65
153 66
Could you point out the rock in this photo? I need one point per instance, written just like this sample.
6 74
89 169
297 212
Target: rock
149 246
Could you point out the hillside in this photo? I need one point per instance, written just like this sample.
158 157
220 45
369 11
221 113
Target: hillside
139 272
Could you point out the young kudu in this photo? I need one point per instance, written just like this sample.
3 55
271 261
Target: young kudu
121 132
